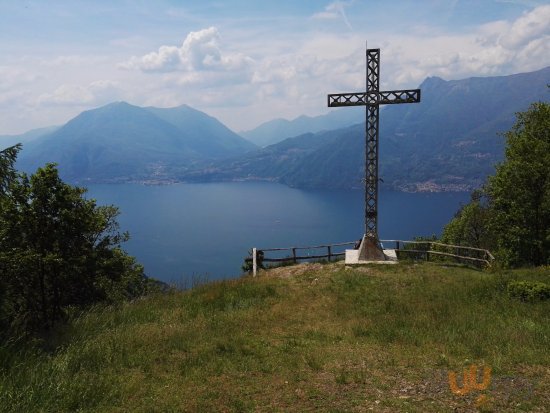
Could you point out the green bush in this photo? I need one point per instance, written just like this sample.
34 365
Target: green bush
510 215
58 251
529 290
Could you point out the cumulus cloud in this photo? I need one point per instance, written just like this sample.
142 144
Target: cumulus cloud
496 48
286 68
511 46
530 26
200 51
96 93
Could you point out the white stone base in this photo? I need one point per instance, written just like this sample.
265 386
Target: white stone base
352 258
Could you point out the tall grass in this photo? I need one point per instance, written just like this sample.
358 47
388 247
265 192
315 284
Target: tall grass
327 340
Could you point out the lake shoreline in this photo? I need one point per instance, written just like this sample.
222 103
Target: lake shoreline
410 188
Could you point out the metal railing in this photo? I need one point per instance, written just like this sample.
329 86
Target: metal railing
294 254
478 256
424 250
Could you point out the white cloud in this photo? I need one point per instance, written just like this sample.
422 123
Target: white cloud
14 77
496 48
166 59
528 27
200 51
296 79
262 66
72 60
96 93
335 10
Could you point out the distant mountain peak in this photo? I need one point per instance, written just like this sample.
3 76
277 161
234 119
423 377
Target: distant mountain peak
448 142
119 104
279 129
123 142
432 82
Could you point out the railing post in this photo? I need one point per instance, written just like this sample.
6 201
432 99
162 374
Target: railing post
329 253
254 262
397 244
294 255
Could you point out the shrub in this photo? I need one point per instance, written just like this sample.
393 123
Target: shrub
529 290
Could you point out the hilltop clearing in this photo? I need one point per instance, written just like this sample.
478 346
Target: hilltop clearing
311 337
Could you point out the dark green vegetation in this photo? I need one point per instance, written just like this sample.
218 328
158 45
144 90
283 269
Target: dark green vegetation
59 252
511 214
120 142
529 290
305 338
449 141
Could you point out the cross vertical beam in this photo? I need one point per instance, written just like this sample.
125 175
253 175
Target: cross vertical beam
372 99
371 147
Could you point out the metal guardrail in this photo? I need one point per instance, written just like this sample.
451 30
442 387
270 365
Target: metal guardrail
258 255
460 252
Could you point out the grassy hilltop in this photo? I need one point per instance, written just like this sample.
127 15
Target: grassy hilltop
304 338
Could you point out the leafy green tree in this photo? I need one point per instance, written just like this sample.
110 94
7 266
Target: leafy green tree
511 215
520 190
7 170
7 176
470 225
58 250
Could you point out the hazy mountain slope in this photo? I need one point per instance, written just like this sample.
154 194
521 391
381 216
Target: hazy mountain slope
121 142
449 141
113 142
277 130
205 134
9 140
271 163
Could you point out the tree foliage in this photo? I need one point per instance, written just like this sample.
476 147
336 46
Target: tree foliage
520 190
58 250
514 220
7 171
470 224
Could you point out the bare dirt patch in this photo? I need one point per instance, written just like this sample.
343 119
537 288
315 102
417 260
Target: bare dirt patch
301 269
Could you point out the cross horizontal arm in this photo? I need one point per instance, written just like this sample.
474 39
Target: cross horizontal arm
374 98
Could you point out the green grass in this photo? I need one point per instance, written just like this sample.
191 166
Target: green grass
307 338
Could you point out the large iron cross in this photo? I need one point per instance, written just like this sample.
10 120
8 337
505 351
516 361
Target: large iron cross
372 99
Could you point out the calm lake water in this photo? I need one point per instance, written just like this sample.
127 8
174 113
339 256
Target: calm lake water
183 231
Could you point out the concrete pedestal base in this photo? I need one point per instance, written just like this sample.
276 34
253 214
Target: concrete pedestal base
370 253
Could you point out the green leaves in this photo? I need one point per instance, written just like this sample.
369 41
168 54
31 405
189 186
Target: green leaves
58 250
470 225
514 220
7 171
529 290
520 190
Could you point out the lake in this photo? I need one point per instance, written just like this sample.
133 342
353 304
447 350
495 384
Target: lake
183 231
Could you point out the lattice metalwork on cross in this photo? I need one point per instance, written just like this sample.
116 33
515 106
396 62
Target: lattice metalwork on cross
372 99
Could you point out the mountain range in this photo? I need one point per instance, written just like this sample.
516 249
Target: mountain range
122 142
9 140
277 130
448 142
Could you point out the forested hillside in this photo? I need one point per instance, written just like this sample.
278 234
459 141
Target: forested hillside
450 141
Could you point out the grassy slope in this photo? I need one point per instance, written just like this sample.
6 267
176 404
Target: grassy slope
304 338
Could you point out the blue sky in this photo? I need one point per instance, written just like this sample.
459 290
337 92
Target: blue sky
246 62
